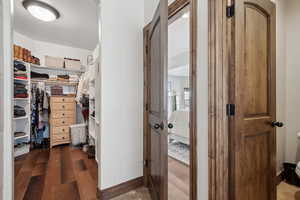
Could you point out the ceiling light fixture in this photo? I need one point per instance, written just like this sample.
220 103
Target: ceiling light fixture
41 10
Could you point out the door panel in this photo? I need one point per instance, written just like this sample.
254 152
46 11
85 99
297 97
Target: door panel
155 83
157 50
256 61
253 155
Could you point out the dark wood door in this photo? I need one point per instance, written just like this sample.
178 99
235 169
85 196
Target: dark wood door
253 155
157 51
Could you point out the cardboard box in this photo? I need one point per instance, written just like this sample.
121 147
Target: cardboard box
72 64
54 62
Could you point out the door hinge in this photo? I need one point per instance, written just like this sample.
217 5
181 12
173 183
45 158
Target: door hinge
147 49
230 11
146 163
230 109
147 107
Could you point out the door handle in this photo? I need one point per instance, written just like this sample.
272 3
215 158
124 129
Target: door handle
170 126
277 124
158 126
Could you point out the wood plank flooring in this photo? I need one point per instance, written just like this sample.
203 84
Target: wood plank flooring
178 175
60 173
66 173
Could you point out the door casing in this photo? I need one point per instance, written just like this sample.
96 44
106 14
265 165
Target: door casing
6 62
174 9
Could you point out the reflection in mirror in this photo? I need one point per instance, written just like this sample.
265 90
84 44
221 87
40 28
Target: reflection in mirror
179 105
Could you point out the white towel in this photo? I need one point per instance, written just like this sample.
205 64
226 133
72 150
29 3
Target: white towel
297 170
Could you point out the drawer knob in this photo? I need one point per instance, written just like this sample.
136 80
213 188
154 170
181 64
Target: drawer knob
63 137
63 99
63 130
63 122
63 114
63 106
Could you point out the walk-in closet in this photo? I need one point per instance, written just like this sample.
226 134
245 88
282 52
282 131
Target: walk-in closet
56 95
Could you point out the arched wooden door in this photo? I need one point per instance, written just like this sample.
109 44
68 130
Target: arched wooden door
253 127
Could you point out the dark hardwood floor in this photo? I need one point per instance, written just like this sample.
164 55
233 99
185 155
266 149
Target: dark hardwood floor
178 185
65 173
60 173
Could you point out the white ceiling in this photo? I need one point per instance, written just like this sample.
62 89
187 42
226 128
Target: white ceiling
178 47
76 27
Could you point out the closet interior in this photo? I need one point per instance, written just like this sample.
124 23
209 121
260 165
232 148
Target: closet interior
56 99
53 105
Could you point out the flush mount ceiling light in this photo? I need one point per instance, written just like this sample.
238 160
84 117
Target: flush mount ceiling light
41 10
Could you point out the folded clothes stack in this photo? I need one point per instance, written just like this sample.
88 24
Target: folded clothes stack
20 90
19 134
63 77
37 75
19 111
20 70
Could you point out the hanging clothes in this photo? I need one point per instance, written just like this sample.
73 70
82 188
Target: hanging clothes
40 113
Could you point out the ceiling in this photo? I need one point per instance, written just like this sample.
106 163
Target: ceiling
178 47
77 26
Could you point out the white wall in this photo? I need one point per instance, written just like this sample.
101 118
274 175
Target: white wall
281 81
202 90
122 91
202 99
1 100
293 80
149 10
40 49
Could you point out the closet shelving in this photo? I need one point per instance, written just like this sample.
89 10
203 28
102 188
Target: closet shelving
49 82
23 124
38 67
20 118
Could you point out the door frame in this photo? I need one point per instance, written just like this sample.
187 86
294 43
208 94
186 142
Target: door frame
7 161
175 8
220 61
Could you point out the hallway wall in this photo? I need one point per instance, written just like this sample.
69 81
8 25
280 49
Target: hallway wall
292 153
1 102
281 81
122 91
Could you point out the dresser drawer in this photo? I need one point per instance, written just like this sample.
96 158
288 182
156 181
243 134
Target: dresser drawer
62 122
62 114
62 100
62 106
60 130
61 137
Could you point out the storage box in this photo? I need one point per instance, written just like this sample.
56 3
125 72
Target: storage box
54 62
72 64
78 134
57 90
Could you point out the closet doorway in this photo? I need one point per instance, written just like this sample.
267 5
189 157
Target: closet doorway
180 109
56 98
